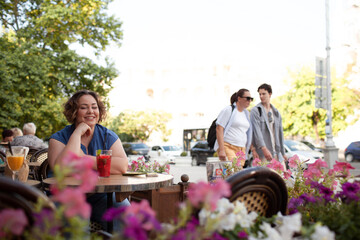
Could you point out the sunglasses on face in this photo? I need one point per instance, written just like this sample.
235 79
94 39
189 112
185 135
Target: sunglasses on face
248 98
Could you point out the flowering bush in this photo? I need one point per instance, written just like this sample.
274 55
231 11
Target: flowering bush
324 195
140 165
70 219
335 205
299 180
235 165
315 208
206 214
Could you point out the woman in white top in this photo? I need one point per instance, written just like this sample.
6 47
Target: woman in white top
233 128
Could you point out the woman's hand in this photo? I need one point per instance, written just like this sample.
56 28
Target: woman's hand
83 129
222 155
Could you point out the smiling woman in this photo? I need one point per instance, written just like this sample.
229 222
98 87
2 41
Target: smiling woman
84 110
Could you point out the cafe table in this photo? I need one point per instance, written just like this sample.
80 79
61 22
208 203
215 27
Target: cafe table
121 185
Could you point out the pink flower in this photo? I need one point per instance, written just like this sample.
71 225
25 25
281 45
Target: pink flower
143 207
241 155
276 165
12 221
74 201
89 179
287 174
314 170
311 174
343 167
209 194
318 164
256 162
294 161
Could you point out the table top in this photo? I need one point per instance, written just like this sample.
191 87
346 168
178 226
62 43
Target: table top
119 183
31 164
33 183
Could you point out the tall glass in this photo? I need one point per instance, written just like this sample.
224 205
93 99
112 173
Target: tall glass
103 160
15 159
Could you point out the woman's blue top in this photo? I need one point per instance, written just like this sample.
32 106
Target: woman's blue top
103 138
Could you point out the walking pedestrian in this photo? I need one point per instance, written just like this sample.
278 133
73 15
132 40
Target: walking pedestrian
233 128
268 137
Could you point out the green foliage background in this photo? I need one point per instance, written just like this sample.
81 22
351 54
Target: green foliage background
39 71
297 106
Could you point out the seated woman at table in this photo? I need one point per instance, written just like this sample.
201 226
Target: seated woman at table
84 110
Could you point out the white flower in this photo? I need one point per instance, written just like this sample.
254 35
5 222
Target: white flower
227 222
288 225
322 233
271 233
203 216
244 218
224 206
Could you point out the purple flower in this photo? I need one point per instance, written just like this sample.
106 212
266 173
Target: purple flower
134 230
294 203
326 193
113 213
349 192
308 198
243 235
43 218
217 236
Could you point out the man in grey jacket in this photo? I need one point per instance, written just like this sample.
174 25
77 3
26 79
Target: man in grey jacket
268 138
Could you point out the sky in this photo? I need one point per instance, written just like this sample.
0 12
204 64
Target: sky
265 38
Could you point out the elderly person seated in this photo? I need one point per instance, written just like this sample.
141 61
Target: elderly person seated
29 139
17 132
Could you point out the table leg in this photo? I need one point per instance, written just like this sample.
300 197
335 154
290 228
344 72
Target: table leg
110 224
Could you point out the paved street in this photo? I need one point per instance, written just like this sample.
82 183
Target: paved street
198 173
183 166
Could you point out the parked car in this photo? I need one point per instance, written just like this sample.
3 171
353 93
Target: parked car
137 149
200 152
164 153
312 146
352 152
303 151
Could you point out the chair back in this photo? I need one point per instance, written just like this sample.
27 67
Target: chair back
40 155
261 189
18 195
2 156
30 154
44 170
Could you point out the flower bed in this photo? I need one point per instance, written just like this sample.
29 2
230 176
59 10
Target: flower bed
321 205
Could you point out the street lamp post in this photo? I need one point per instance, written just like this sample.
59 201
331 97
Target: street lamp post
330 151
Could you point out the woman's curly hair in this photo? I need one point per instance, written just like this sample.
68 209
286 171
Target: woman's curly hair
71 106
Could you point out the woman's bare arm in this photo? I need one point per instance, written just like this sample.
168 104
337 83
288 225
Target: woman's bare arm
119 160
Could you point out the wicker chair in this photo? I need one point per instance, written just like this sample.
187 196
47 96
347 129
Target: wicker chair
17 195
3 159
261 190
31 154
40 156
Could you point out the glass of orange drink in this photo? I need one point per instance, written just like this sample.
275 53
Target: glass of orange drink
15 159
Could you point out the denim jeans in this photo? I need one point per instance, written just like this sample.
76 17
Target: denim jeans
98 202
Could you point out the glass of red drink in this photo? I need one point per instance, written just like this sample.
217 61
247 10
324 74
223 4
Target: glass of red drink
103 161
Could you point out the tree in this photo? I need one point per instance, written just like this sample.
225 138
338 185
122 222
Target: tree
133 126
38 70
297 106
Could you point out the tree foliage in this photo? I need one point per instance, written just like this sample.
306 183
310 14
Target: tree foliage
297 106
38 70
134 126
